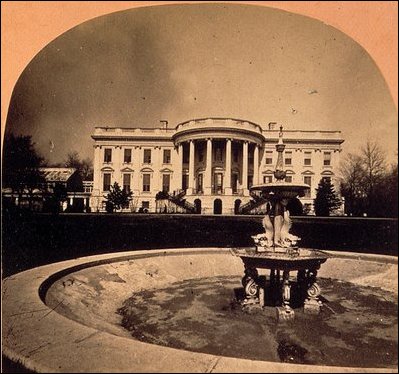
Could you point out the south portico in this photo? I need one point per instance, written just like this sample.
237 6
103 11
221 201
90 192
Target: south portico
219 163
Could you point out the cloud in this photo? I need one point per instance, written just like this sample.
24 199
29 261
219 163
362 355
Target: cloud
176 62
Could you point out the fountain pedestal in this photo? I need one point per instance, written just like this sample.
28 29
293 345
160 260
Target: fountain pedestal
280 263
276 249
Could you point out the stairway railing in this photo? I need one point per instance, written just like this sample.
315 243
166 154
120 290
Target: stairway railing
178 199
254 203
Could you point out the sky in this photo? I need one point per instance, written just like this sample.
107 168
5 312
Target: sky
178 62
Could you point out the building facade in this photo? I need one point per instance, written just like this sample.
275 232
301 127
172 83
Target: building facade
206 165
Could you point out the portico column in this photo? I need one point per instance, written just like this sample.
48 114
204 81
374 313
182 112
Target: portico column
208 171
191 168
256 165
157 168
180 169
245 168
227 173
117 158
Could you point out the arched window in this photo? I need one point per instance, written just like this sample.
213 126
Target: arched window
217 206
237 204
197 203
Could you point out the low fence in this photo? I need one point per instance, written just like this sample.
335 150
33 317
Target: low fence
31 240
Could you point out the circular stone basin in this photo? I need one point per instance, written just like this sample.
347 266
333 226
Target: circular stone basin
282 189
175 310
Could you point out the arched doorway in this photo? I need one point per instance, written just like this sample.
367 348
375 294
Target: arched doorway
237 204
197 203
217 206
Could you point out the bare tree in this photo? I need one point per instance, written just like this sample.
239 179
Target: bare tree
374 165
87 169
367 183
390 190
352 184
72 160
84 167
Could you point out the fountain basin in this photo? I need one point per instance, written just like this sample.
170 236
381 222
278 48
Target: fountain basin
77 331
282 190
281 259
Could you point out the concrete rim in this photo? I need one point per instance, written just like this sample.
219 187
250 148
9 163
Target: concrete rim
63 345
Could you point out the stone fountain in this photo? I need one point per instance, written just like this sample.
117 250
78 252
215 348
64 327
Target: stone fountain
277 249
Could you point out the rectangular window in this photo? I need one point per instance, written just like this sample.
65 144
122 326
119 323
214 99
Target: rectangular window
201 154
200 180
288 178
268 179
107 155
145 204
307 161
235 155
308 180
166 182
88 188
234 183
269 158
147 156
146 182
327 159
327 179
186 156
288 158
250 158
250 181
127 156
126 182
218 154
184 181
218 185
106 181
166 156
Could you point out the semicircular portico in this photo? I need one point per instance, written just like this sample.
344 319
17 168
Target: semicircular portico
218 128
216 146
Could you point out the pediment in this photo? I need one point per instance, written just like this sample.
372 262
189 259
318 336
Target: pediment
166 170
127 170
147 170
107 169
307 172
327 172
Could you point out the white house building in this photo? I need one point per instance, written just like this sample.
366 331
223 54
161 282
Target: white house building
206 165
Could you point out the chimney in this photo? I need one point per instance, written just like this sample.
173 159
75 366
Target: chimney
271 125
164 124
